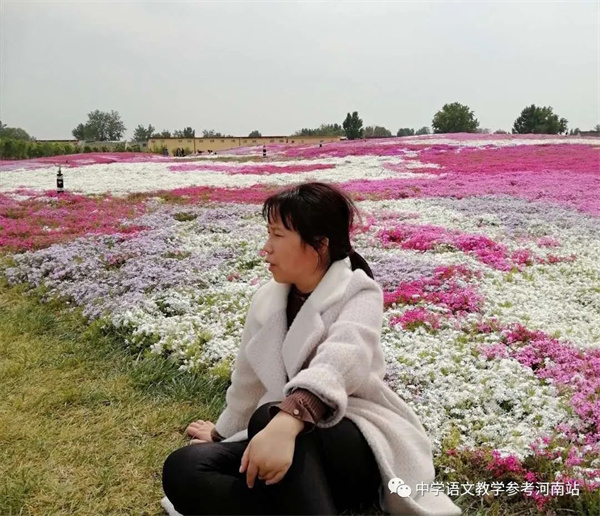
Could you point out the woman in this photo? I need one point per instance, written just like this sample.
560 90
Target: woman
309 425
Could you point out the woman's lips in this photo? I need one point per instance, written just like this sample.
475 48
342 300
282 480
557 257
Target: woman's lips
271 266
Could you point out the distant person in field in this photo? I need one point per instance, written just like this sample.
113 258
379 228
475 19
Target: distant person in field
309 425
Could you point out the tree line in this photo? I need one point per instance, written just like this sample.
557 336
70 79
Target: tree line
452 118
458 118
104 126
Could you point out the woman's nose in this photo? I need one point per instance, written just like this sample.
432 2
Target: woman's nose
266 248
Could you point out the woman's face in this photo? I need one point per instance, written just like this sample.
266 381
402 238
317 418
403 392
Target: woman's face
291 261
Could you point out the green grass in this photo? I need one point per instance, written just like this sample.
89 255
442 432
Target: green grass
85 425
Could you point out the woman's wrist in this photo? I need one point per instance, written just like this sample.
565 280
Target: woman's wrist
215 436
287 423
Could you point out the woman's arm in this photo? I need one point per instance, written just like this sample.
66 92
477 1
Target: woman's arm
344 359
216 436
245 390
303 405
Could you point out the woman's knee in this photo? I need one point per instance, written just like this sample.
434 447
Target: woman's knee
176 466
173 476
185 474
178 478
184 465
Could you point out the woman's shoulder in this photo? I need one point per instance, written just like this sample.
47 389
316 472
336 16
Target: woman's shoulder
264 290
265 300
362 281
356 288
363 300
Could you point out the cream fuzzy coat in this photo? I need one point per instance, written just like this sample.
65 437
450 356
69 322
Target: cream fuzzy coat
341 321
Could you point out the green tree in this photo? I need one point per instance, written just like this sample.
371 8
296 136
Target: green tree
405 131
353 126
330 130
163 134
454 118
15 133
79 132
101 126
423 130
188 132
539 120
141 134
255 134
305 131
322 130
211 133
377 131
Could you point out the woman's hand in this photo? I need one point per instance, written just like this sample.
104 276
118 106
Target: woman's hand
200 431
270 453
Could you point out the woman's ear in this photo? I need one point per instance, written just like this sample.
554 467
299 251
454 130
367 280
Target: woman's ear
324 244
323 250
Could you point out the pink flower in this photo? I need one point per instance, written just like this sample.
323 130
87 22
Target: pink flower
493 351
445 289
412 319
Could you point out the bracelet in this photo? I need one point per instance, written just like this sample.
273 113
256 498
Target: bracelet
216 436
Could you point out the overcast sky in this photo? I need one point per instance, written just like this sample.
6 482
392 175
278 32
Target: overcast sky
281 66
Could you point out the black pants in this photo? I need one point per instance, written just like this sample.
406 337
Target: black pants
333 470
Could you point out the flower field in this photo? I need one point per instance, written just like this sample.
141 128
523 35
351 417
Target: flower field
487 248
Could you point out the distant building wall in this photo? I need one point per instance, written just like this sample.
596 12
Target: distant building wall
215 144
71 142
111 145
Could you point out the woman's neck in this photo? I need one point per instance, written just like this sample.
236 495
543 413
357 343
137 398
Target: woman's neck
306 287
300 292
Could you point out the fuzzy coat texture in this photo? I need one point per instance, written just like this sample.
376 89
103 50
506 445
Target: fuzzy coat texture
338 330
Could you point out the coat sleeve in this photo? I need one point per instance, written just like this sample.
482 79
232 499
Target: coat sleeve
343 361
245 390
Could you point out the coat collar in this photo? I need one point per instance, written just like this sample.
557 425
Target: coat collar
274 350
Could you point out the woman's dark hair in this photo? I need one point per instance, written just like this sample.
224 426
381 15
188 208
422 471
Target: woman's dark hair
317 211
